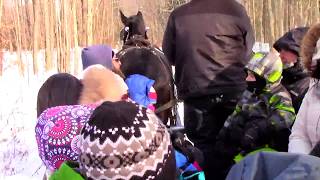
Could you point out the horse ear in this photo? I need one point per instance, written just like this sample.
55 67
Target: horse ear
139 13
124 19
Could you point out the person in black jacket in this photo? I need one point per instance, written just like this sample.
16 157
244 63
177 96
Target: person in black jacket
209 42
295 80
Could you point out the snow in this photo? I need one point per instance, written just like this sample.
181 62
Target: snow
18 153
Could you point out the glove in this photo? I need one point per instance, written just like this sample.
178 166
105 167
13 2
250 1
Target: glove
250 138
257 133
182 145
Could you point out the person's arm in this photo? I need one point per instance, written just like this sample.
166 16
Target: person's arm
248 34
249 37
270 124
298 140
168 44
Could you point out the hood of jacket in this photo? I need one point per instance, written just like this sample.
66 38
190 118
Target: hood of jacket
101 84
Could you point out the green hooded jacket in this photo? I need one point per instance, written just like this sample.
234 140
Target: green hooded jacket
67 172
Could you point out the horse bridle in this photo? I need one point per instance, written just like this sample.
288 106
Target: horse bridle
127 35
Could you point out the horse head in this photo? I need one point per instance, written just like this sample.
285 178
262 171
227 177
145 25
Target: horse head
139 56
133 26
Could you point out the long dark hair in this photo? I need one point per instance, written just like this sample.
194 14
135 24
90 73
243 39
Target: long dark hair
59 89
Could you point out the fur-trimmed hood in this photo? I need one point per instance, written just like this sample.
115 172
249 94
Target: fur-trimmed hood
101 84
308 47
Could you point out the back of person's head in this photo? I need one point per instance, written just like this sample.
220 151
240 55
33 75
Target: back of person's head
101 84
59 89
97 54
291 41
311 51
123 140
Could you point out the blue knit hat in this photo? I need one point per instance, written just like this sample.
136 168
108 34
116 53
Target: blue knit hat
97 54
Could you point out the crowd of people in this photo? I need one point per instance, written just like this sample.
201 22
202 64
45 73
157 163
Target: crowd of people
247 115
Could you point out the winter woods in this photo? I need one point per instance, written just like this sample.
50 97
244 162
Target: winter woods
60 27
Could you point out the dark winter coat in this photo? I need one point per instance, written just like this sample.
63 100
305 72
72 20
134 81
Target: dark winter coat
209 43
295 80
258 121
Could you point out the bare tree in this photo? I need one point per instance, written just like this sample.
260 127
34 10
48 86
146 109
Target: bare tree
61 25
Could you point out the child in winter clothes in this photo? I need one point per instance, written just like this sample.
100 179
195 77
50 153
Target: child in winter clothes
305 131
58 128
123 140
187 156
263 116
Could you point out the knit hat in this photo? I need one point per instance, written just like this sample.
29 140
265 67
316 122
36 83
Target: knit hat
123 140
97 54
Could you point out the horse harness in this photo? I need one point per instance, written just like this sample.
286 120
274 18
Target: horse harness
157 52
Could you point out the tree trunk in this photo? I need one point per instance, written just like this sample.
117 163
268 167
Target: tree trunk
36 16
67 34
76 56
48 36
90 22
272 23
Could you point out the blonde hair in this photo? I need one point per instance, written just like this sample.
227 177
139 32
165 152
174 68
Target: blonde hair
101 84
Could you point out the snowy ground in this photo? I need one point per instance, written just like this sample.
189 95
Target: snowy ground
18 153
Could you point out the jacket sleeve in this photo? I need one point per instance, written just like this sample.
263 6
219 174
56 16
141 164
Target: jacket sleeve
298 140
168 44
248 36
283 117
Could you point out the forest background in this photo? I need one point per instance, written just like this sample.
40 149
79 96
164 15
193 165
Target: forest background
59 28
